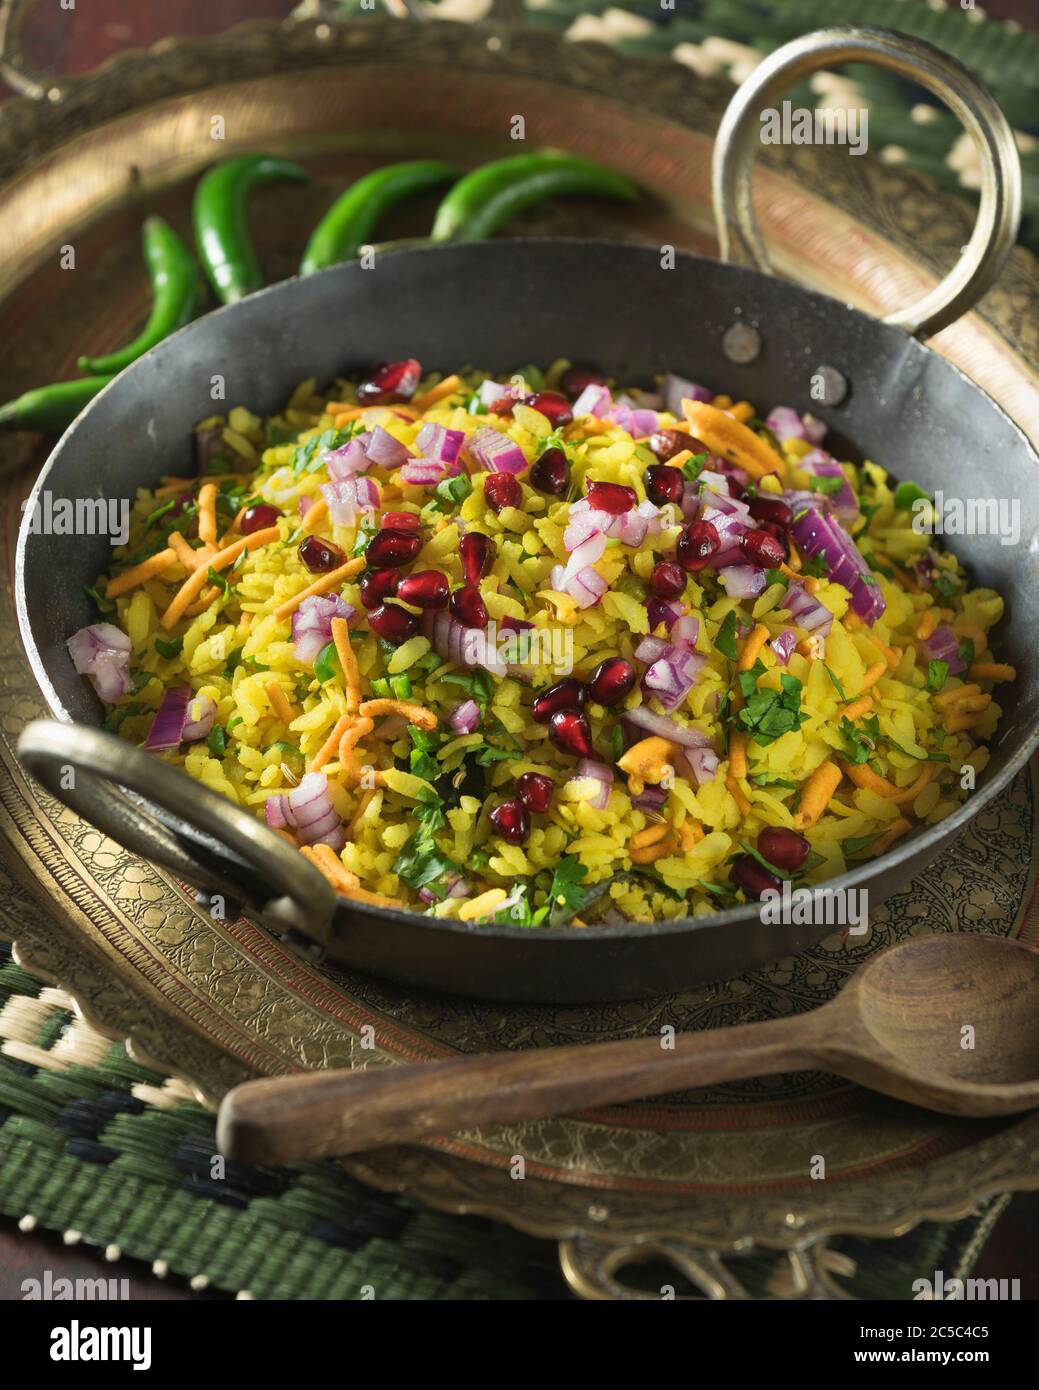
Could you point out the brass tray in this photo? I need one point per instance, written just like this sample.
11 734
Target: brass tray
692 1177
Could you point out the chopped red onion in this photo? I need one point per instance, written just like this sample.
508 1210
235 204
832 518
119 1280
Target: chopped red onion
944 645
464 718
661 611
686 630
423 472
438 442
585 522
671 678
703 763
815 430
676 389
201 716
385 451
650 799
312 624
584 555
590 770
167 728
496 452
818 533
651 649
351 498
649 723
465 646
823 465
785 423
102 652
742 581
305 504
348 460
593 400
638 423
784 644
587 586
311 812
807 612
491 391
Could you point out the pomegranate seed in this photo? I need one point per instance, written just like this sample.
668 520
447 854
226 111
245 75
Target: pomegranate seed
468 607
501 490
753 878
568 694
477 552
389 382
664 484
667 580
393 624
612 498
771 509
735 487
780 535
511 820
400 521
554 407
504 405
762 549
697 543
785 848
570 731
426 589
377 585
320 556
611 680
667 443
535 791
257 518
389 549
575 379
551 472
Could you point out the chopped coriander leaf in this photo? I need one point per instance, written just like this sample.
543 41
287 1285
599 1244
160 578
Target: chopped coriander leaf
218 579
765 863
946 586
692 468
141 679
774 577
307 458
748 680
815 568
521 913
169 649
420 862
453 491
566 889
762 779
860 739
217 741
768 714
364 535
855 844
937 675
725 640
828 485
965 650
836 683
103 605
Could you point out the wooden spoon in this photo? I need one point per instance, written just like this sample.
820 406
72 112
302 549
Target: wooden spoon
949 1022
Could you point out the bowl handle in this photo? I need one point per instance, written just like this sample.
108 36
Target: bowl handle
999 212
179 823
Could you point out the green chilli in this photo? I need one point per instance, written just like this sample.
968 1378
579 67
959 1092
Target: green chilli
350 221
221 226
174 277
51 408
485 199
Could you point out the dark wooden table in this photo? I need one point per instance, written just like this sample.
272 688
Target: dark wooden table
76 40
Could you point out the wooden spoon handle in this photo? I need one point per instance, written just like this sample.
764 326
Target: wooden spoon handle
338 1112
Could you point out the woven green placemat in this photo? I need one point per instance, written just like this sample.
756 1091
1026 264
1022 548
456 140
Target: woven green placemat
93 1143
906 123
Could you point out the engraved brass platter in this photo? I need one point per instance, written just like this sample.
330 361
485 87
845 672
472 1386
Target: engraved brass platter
691 1177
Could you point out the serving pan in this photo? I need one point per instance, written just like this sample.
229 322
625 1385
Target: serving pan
497 304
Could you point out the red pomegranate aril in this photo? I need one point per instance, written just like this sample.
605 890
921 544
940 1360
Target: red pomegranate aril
612 498
501 490
571 733
535 791
771 509
785 848
754 878
667 580
697 543
468 607
566 694
511 820
611 680
551 472
576 378
377 585
762 549
320 556
389 382
258 517
664 484
504 405
667 443
735 487
392 623
554 407
426 589
780 534
477 552
400 521
390 549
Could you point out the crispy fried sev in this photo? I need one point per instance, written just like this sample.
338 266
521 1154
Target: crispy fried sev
140 574
418 715
319 586
207 513
992 671
279 702
869 780
195 582
756 639
822 784
908 795
447 387
857 708
329 748
348 662
894 832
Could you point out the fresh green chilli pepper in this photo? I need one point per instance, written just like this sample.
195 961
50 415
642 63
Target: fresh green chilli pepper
352 218
51 408
174 278
221 227
908 493
486 198
326 664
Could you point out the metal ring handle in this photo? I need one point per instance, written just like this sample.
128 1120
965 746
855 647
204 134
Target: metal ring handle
27 80
179 823
506 13
1000 210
